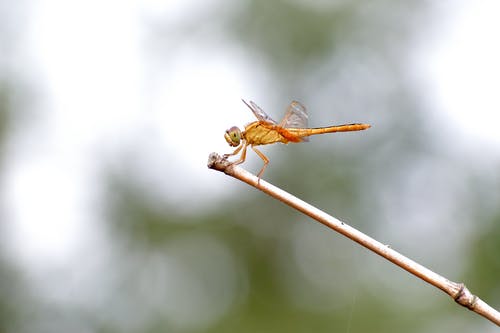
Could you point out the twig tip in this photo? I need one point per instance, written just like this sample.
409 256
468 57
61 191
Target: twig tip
217 162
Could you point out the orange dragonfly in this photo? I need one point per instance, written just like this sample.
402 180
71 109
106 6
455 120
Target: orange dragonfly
264 131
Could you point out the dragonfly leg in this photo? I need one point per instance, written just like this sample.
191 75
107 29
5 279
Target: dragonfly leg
236 151
264 158
243 154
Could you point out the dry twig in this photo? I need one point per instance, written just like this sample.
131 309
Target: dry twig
458 291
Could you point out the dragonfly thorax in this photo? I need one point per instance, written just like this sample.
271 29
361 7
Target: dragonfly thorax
233 136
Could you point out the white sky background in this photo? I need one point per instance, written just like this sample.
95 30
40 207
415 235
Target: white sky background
86 110
460 64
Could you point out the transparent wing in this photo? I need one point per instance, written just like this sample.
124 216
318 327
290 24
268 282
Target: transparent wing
259 113
295 116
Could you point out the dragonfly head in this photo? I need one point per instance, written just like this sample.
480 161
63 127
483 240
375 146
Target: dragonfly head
233 136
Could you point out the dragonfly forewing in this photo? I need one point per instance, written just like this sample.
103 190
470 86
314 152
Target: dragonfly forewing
259 113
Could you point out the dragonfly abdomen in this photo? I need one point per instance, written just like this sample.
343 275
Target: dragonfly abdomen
331 129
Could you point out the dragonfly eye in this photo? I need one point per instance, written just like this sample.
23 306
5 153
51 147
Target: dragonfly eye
233 136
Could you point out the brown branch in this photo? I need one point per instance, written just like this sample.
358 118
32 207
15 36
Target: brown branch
458 291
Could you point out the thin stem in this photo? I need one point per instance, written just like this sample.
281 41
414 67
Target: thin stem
458 291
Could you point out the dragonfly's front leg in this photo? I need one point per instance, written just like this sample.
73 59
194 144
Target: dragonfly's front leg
264 158
243 154
236 151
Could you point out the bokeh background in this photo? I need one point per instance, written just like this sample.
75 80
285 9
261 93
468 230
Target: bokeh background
110 220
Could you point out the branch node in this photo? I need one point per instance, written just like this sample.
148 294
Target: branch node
465 298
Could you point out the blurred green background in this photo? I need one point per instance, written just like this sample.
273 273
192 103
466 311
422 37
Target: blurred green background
159 243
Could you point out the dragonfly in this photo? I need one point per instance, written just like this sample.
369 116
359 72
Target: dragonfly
264 131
